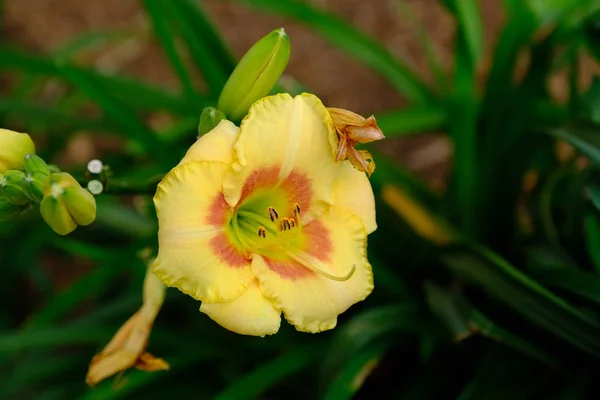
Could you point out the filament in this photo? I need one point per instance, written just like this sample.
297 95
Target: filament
302 260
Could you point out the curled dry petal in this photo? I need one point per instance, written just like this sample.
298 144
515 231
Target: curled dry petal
355 126
353 129
127 348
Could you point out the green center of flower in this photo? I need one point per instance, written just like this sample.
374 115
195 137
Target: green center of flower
267 223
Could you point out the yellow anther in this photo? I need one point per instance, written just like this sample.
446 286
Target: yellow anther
273 214
262 232
292 222
297 209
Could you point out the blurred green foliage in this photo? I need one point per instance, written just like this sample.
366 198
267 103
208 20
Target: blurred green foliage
509 308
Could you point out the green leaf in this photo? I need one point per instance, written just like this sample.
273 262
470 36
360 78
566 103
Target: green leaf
592 33
85 287
253 385
412 120
156 11
40 368
451 308
592 238
200 49
352 41
593 188
463 106
123 219
552 11
354 374
470 27
464 320
490 330
578 282
16 341
585 140
592 100
380 324
524 295
53 118
205 29
426 43
118 111
517 32
136 94
87 41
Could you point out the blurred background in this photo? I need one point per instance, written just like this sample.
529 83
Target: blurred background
338 79
487 255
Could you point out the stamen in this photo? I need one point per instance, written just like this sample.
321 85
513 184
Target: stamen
305 263
273 214
297 209
292 222
254 217
262 232
238 232
285 224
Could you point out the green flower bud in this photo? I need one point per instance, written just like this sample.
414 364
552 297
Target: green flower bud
57 216
81 204
11 188
33 164
66 204
13 147
209 118
256 74
36 184
8 211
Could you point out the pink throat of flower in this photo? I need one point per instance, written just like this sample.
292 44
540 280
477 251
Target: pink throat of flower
316 242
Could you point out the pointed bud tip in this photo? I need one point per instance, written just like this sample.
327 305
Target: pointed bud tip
256 74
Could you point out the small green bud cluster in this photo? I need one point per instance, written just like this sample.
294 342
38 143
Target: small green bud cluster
26 179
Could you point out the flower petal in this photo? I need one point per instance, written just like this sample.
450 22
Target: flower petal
251 314
216 145
310 301
195 254
291 137
352 191
126 348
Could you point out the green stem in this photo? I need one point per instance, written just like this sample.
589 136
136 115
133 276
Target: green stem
126 186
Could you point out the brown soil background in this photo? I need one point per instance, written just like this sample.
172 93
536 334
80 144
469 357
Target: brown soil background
46 25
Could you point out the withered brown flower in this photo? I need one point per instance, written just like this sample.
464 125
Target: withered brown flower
353 129
127 348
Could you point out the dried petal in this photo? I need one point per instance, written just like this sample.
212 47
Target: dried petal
126 349
342 150
361 160
342 117
353 129
368 132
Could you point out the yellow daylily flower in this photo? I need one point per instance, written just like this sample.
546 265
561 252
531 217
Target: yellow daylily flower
127 348
261 219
